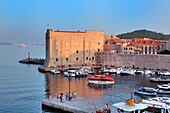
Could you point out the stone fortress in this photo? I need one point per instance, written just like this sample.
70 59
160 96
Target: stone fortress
94 48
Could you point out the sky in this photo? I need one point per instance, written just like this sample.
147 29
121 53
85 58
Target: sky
27 20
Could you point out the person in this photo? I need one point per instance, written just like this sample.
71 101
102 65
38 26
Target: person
67 96
107 108
74 94
61 97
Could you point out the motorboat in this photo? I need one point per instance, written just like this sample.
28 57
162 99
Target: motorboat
129 107
157 105
69 74
139 72
54 71
101 79
21 45
145 91
127 72
162 79
163 89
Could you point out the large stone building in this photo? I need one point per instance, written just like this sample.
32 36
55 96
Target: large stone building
72 48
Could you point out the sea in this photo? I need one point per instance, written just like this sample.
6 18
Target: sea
22 86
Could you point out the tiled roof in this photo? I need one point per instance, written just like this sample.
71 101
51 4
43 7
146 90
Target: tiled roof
143 42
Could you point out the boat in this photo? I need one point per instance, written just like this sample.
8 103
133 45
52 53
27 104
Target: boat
145 91
163 89
129 107
162 79
54 71
69 74
21 45
101 79
127 72
157 105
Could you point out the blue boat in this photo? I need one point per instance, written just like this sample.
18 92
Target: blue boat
145 91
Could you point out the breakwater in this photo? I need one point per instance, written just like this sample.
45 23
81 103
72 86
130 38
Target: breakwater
39 61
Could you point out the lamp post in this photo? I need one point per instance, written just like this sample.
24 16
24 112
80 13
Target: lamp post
69 98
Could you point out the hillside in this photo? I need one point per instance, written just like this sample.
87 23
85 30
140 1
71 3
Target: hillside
144 33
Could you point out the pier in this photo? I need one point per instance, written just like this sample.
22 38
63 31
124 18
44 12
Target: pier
32 61
76 105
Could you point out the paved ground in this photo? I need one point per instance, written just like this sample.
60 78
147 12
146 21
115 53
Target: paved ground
76 105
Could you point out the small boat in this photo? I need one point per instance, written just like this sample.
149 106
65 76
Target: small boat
69 74
145 91
163 89
127 72
129 107
54 71
21 45
162 79
157 104
101 79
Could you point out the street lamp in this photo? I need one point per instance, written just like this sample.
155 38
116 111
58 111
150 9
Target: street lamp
69 98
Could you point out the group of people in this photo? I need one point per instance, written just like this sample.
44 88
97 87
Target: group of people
68 96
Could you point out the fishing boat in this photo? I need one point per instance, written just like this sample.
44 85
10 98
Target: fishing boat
128 107
145 91
101 79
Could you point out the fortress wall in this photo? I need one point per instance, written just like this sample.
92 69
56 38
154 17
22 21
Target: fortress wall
130 60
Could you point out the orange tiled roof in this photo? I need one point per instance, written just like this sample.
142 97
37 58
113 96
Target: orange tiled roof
143 42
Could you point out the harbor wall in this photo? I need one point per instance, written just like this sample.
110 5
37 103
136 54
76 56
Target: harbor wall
133 60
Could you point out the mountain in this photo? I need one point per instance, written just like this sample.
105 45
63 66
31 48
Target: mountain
144 34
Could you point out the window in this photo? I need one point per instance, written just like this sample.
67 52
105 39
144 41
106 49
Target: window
92 58
87 58
77 58
98 49
66 59
77 51
98 43
56 59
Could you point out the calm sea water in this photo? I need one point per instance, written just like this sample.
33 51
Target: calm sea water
22 87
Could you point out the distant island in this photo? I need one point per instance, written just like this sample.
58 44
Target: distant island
144 34
5 43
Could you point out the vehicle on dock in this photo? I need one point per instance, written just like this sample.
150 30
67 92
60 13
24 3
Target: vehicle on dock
145 91
101 79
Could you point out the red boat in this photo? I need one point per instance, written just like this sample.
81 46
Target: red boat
101 79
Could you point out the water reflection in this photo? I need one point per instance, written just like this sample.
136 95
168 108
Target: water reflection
121 91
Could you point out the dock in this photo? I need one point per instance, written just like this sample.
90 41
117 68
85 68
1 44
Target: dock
32 61
76 105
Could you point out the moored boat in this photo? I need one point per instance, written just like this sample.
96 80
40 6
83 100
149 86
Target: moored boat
145 91
163 89
157 105
128 107
101 79
162 79
54 71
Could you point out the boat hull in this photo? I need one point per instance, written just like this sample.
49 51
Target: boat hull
100 82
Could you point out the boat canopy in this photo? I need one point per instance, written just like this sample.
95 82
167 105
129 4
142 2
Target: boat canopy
123 106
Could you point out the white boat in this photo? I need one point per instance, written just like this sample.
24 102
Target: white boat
128 107
145 91
101 79
54 71
127 72
139 72
157 105
69 74
21 45
162 79
163 89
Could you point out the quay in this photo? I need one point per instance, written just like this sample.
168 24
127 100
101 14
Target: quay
32 61
76 105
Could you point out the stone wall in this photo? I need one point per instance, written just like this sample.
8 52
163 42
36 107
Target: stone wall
130 60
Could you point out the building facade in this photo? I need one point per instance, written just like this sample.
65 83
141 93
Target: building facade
143 46
72 48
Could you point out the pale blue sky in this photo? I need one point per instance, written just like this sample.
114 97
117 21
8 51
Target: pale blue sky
26 20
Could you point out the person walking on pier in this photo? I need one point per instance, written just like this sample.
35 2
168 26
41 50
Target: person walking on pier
61 97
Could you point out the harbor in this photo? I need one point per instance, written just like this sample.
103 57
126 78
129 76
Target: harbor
76 105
